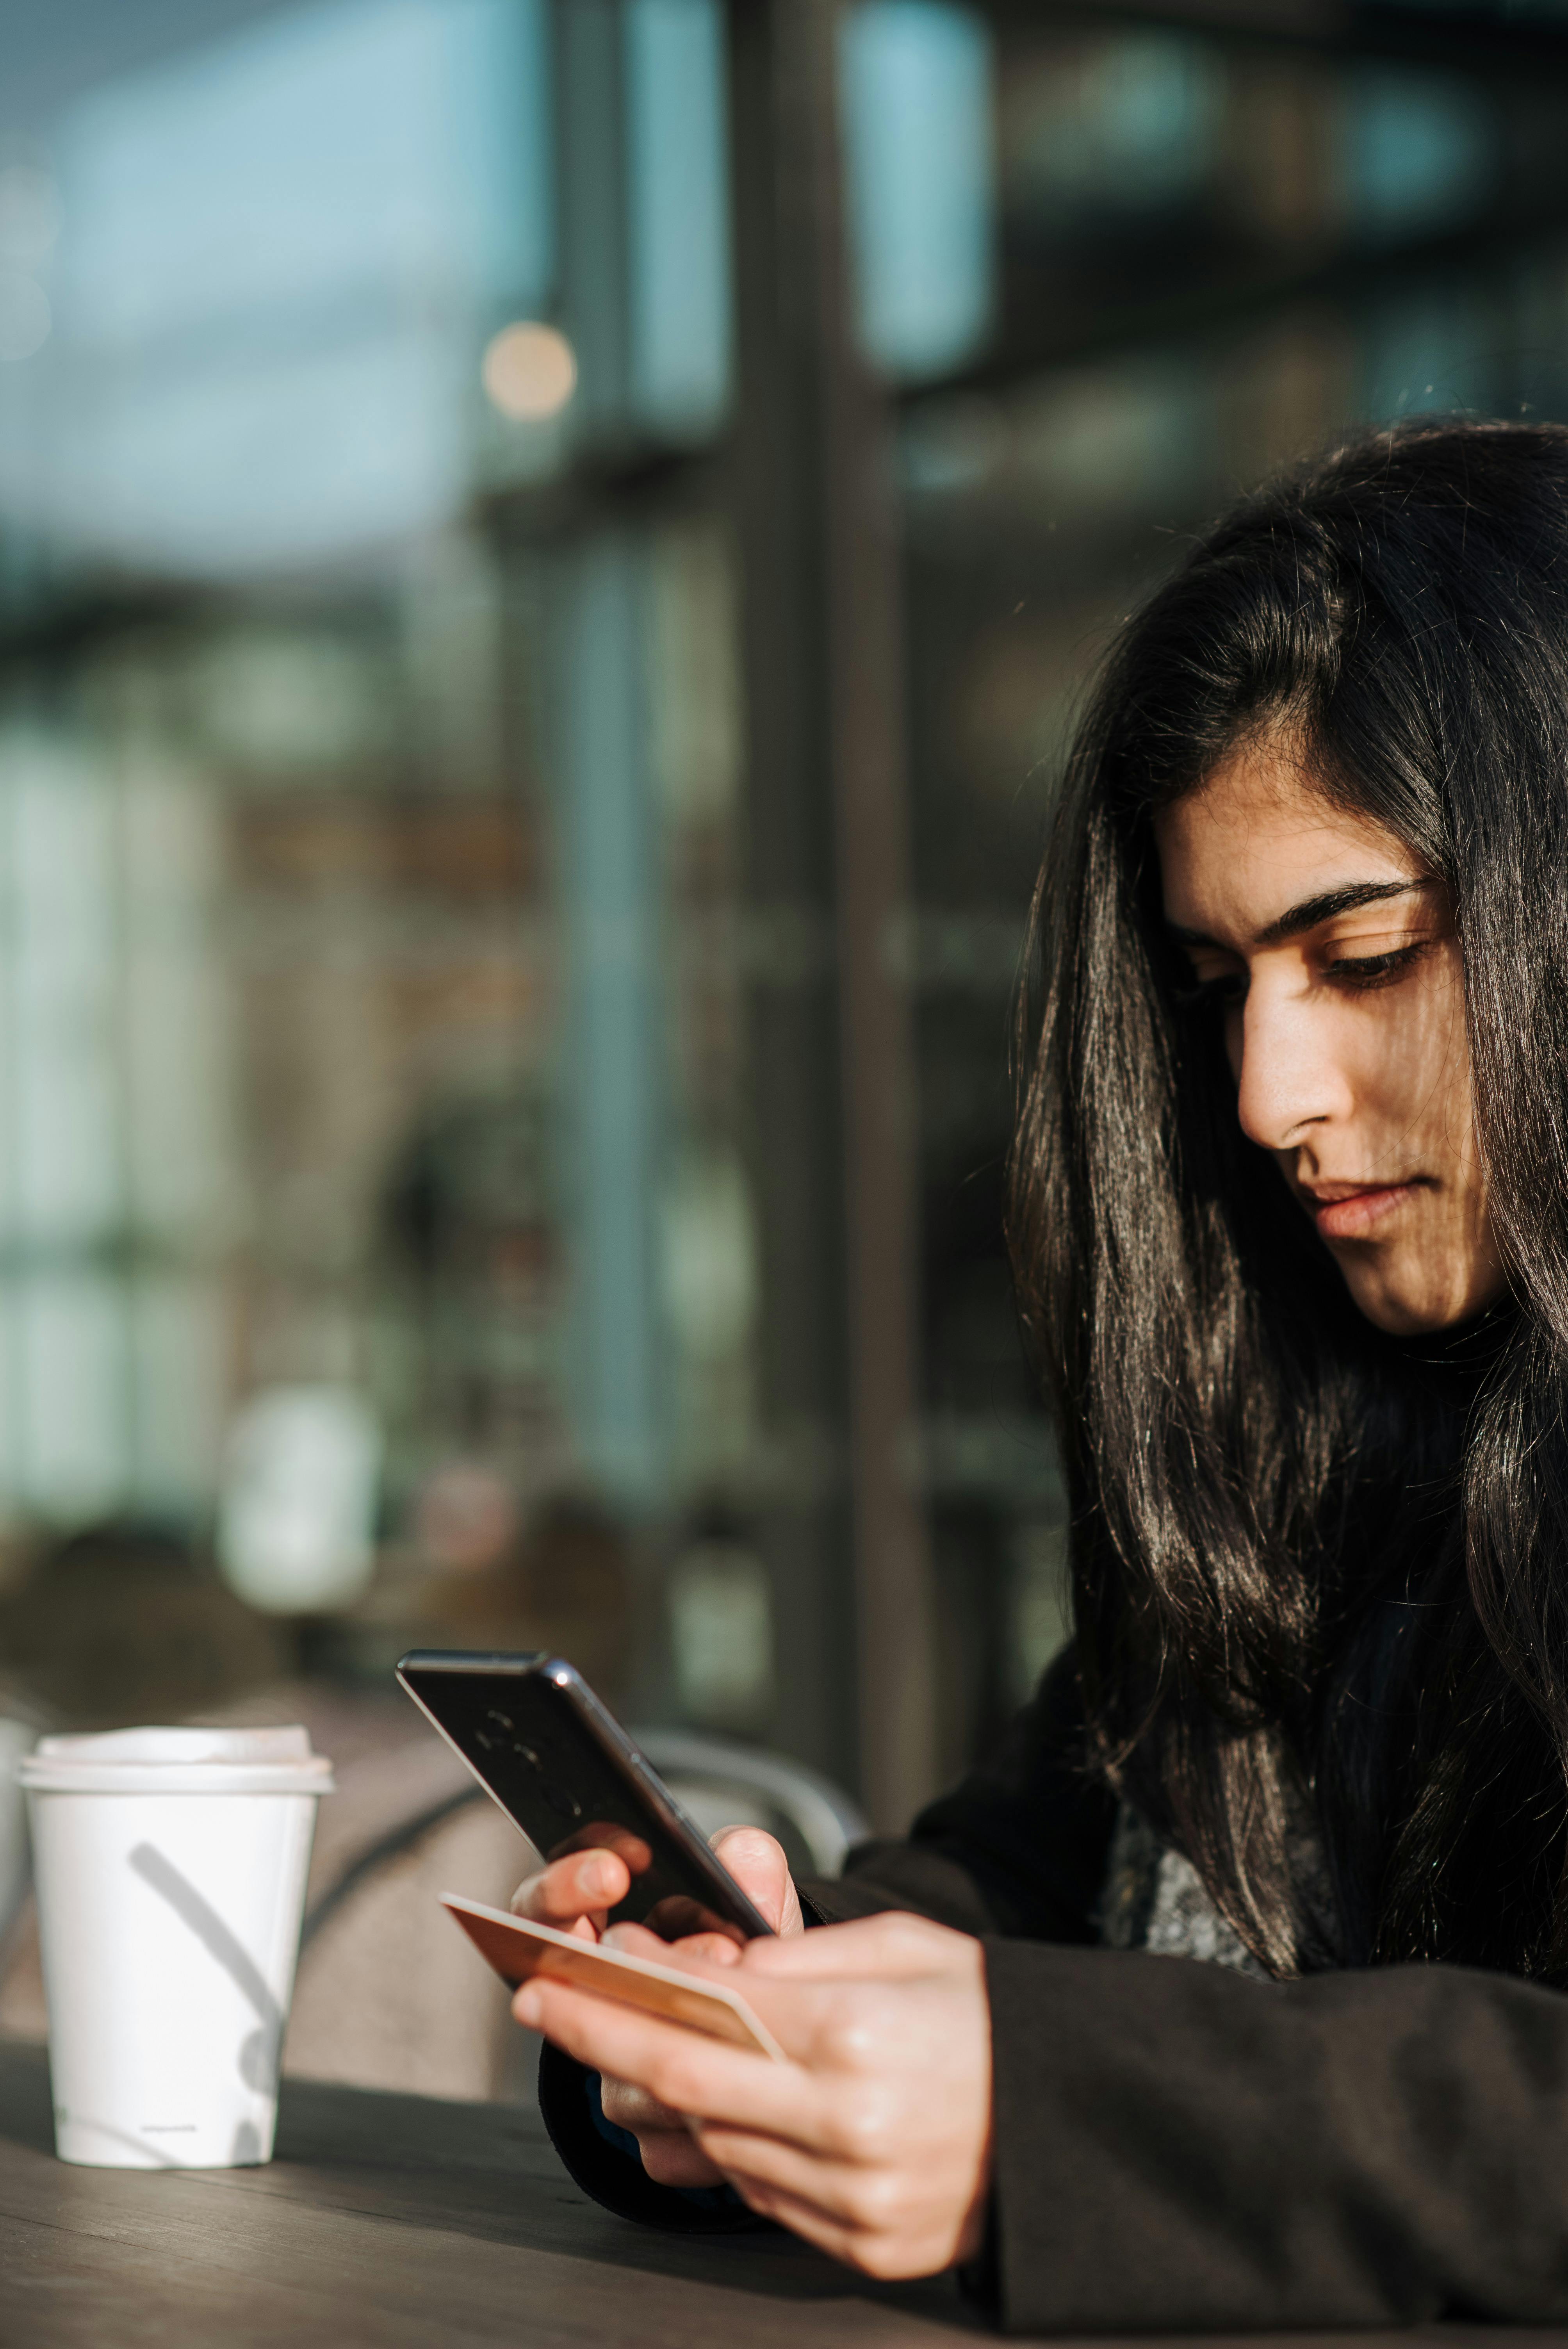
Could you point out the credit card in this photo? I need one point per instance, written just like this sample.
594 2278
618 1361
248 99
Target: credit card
518 1949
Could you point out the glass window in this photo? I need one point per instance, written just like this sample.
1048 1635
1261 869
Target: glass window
376 1210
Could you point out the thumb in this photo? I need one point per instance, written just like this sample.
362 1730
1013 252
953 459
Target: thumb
758 1862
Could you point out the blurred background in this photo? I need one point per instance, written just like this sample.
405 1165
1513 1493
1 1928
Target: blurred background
547 548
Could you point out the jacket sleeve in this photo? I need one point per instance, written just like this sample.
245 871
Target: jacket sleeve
1019 1846
1180 2148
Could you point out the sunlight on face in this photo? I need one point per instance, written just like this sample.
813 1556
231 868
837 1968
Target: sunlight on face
1330 956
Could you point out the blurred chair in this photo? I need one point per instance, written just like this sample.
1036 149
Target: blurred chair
721 1785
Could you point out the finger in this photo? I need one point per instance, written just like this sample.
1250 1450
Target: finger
584 1884
671 2153
760 1865
683 2069
636 1941
587 1929
677 2160
705 1948
841 2190
802 2218
873 2251
633 2109
693 1948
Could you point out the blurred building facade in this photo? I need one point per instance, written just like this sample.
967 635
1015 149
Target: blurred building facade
547 550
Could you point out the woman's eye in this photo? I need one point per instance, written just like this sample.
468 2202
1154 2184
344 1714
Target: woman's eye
1363 972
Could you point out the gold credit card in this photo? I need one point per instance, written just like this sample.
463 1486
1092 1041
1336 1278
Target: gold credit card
518 1949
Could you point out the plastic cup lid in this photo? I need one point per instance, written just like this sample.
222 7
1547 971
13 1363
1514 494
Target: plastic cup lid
178 1761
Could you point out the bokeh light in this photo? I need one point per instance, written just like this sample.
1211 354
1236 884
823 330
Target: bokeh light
25 315
529 371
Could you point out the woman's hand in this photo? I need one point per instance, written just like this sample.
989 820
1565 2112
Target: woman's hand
874 2141
576 1893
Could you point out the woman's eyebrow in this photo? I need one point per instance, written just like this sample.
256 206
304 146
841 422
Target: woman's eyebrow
1329 905
1307 916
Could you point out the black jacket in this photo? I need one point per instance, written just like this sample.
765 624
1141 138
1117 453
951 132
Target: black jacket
1178 2147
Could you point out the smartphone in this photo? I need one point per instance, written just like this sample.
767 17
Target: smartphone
564 1771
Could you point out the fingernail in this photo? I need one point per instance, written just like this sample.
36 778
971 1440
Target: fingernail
599 1877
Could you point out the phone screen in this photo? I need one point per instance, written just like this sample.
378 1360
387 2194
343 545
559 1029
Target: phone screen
523 1734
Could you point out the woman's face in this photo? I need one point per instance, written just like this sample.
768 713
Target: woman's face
1330 955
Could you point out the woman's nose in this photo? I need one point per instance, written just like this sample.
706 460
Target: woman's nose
1291 1078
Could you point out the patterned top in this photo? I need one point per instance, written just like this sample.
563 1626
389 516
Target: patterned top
1155 1900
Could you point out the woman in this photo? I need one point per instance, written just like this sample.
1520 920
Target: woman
1290 1228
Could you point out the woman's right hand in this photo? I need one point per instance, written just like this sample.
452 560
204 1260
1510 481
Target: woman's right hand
575 1895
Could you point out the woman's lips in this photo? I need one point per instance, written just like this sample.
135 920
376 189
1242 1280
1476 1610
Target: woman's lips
1346 1215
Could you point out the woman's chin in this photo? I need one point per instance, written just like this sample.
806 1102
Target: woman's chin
1416 1306
1398 1318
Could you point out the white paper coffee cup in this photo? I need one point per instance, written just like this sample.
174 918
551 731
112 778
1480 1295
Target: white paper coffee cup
170 1869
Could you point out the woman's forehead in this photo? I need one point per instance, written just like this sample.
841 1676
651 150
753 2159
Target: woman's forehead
1257 838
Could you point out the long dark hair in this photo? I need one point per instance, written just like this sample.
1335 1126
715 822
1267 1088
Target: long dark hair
1320 1573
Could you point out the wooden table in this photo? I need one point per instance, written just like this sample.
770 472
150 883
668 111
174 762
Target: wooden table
401 2222
394 2222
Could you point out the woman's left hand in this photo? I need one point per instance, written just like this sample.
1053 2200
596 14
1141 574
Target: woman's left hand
874 2140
